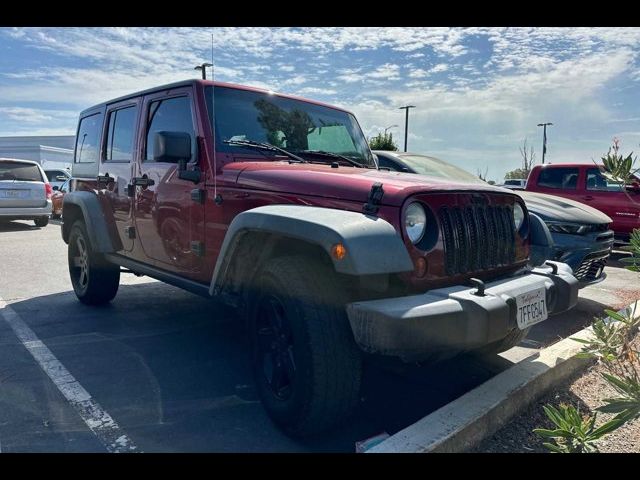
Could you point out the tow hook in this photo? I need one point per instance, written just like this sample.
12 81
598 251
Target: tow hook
479 284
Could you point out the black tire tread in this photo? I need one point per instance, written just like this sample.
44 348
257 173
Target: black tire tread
336 360
104 278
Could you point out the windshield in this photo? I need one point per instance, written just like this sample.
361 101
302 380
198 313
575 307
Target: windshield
291 124
20 172
438 168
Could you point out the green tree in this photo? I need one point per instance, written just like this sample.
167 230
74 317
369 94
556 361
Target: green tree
383 141
517 173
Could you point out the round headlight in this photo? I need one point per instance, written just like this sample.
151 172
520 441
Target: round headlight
518 215
415 222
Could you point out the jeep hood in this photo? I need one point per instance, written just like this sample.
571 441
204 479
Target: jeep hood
345 183
552 208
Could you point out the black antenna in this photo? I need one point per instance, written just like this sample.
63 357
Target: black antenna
216 197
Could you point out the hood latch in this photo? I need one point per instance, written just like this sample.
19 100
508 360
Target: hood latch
375 197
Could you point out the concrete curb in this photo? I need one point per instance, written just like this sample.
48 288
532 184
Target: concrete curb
465 422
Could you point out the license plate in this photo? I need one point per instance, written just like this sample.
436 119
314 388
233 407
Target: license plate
532 308
6 193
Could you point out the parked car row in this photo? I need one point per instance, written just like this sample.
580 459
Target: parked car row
582 237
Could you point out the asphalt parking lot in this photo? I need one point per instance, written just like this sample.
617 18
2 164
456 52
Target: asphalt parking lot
173 371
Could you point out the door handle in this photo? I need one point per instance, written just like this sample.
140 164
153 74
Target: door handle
588 197
142 181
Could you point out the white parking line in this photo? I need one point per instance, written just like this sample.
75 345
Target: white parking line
98 420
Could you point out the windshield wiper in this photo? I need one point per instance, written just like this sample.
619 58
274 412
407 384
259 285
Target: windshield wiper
322 153
265 146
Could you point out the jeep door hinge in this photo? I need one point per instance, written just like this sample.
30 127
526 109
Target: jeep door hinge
197 247
198 195
375 197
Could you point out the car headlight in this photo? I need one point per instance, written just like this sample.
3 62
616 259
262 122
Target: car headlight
518 215
415 222
570 228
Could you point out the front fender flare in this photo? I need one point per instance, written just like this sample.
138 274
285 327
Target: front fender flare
373 245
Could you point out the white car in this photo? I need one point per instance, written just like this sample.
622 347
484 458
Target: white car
514 183
25 192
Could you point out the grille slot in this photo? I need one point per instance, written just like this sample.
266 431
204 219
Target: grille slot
477 237
591 268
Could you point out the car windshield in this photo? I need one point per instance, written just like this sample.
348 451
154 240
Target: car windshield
294 125
438 168
19 172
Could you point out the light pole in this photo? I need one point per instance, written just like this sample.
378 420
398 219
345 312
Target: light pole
544 138
406 123
203 67
390 126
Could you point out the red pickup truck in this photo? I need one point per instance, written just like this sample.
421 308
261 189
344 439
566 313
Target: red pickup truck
583 182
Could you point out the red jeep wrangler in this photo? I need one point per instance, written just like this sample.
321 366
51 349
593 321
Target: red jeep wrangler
280 211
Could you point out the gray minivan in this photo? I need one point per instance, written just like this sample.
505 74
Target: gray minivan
25 192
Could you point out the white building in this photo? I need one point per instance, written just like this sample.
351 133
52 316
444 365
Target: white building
49 151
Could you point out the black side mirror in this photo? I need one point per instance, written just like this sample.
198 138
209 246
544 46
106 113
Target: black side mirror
172 147
56 187
175 147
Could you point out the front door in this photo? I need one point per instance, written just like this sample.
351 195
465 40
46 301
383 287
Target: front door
169 223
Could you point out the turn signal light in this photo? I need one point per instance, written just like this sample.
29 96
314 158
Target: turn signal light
48 190
420 267
338 251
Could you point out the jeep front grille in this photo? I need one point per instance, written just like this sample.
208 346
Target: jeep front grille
477 237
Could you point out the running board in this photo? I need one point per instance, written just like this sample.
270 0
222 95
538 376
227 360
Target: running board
159 274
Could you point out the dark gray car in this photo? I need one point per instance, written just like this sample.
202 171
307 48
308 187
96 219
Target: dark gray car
581 234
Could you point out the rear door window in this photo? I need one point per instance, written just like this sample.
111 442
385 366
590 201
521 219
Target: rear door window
17 171
87 141
565 178
120 135
598 182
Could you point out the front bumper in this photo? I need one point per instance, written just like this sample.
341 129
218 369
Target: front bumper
25 213
452 320
585 254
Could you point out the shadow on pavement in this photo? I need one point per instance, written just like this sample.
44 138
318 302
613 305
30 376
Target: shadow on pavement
173 370
17 226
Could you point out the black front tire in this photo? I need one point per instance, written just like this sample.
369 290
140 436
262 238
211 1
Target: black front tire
307 366
95 280
41 222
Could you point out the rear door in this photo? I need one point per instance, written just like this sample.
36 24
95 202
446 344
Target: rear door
169 222
118 150
21 185
610 198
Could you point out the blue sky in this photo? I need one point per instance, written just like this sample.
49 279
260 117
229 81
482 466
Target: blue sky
479 92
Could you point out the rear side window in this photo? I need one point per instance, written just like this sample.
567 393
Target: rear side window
120 134
559 177
53 175
88 139
383 162
25 172
597 181
170 115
